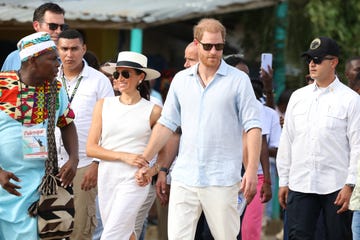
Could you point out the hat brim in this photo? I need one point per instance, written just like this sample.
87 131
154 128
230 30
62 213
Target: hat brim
313 54
150 73
110 68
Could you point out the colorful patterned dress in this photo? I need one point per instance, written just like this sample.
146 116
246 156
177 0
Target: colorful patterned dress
22 105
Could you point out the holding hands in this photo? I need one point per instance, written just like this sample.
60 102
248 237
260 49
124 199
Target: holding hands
135 160
143 176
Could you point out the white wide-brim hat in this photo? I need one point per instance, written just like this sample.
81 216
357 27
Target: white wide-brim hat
132 60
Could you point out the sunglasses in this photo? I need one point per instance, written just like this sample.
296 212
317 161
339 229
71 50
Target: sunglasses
125 74
316 60
209 46
55 26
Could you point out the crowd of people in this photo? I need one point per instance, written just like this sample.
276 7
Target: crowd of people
211 155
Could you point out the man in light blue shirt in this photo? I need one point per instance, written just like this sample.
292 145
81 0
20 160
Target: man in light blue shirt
49 17
213 103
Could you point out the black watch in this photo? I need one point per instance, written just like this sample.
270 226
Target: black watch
164 169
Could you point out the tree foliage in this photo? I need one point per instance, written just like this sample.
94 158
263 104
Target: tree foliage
339 20
308 19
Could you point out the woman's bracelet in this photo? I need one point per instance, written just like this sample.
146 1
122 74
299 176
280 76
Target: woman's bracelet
157 168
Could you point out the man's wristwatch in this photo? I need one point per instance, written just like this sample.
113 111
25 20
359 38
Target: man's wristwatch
164 169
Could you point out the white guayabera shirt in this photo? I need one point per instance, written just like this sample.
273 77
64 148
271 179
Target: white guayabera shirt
320 142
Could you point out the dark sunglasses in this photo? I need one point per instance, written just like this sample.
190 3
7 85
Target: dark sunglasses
125 74
209 46
316 60
54 26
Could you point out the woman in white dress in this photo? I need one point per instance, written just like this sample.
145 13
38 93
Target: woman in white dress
119 132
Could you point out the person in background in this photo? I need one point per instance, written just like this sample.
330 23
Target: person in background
49 17
84 86
198 181
237 60
24 100
309 80
280 109
119 145
271 130
191 55
282 104
106 69
352 68
355 197
92 60
319 143
266 76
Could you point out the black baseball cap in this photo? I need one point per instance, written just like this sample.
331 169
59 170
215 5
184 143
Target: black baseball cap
322 46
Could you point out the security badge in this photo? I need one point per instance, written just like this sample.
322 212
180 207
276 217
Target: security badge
34 142
315 44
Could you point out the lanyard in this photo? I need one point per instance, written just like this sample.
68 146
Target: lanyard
75 89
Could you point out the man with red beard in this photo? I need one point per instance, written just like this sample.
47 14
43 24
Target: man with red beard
213 103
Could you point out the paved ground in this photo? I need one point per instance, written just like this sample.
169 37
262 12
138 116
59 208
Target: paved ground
269 232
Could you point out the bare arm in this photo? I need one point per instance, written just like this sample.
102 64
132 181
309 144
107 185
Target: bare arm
267 78
93 149
273 152
70 139
265 193
166 157
158 139
249 182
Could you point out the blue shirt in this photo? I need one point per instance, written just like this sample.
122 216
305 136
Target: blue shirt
12 62
212 121
15 222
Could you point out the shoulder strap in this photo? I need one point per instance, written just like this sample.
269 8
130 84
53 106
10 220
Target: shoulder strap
48 185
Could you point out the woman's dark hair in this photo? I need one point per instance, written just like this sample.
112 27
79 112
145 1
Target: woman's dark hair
92 59
144 86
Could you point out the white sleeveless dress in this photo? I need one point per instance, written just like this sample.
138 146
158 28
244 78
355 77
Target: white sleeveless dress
125 128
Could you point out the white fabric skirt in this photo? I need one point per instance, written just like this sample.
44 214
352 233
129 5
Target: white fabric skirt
120 199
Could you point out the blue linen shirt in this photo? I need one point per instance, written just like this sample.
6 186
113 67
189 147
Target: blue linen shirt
12 62
212 121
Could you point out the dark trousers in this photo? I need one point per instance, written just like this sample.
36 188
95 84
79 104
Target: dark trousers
303 211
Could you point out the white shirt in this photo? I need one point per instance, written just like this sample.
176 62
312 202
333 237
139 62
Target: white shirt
320 142
275 129
273 122
270 126
93 86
